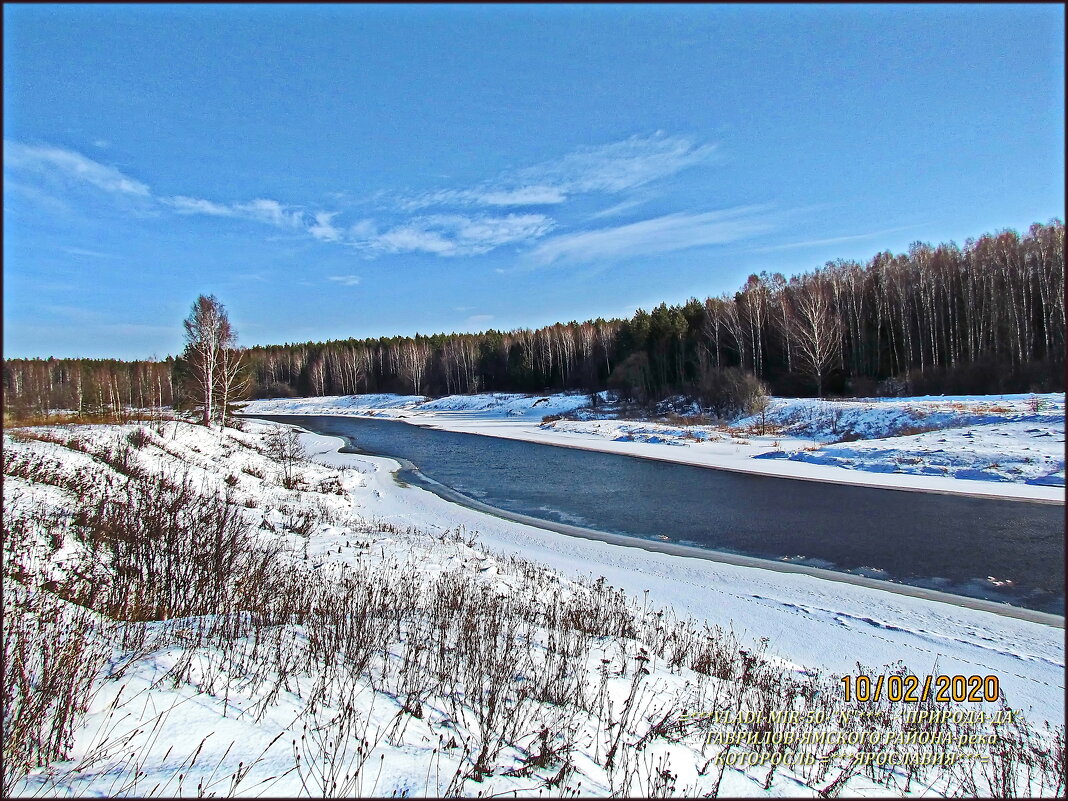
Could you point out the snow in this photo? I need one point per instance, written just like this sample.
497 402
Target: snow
161 711
485 406
1006 446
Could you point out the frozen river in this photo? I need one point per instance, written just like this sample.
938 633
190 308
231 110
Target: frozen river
1000 550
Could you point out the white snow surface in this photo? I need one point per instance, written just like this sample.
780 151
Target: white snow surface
809 622
1009 446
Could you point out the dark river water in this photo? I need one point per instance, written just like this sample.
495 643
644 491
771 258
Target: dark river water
949 543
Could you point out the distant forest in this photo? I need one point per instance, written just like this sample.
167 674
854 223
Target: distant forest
988 317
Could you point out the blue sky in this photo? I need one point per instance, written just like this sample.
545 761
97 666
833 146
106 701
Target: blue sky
336 171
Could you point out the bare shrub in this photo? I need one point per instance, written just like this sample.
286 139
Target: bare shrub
52 653
171 550
732 392
284 446
331 486
139 437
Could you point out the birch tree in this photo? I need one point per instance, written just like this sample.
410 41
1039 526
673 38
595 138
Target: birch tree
817 330
211 360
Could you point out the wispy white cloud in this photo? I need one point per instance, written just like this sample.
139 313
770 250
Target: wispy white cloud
664 234
446 235
477 320
64 163
323 227
94 254
608 169
345 280
45 201
362 230
196 205
488 195
538 195
260 210
618 208
271 212
811 243
57 162
415 237
623 165
457 235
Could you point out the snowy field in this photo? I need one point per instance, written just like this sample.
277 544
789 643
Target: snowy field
177 707
997 445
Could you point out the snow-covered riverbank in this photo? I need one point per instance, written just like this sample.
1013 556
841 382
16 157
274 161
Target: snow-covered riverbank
351 517
812 622
1009 446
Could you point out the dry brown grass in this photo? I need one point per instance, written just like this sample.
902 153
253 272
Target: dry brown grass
687 420
20 419
915 428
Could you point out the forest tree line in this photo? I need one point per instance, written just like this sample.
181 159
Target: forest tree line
988 317
87 387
